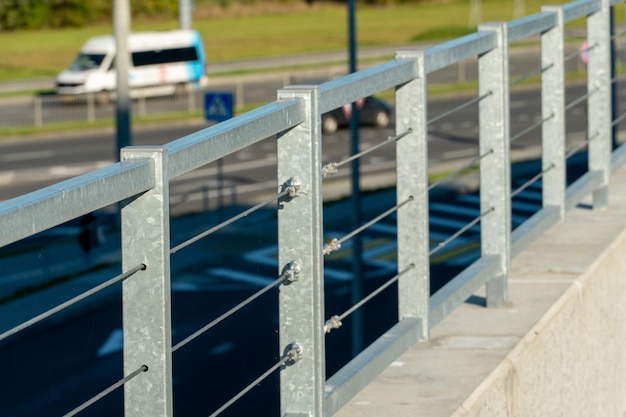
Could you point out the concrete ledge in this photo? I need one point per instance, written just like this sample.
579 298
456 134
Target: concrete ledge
557 349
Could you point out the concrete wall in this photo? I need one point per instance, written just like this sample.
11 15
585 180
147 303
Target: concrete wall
557 349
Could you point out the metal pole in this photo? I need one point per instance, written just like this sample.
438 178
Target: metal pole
476 13
146 297
519 8
357 244
614 89
412 182
184 14
495 169
553 111
121 27
599 102
300 242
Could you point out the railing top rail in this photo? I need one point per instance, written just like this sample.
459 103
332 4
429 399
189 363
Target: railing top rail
40 210
208 145
578 9
352 87
531 25
453 51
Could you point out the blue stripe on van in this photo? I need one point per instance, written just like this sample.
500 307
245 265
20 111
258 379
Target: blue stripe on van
195 70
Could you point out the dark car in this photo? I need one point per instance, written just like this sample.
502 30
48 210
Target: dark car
372 112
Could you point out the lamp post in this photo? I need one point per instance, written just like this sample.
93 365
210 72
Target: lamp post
184 14
614 86
476 13
357 244
121 27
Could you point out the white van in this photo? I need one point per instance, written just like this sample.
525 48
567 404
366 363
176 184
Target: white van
161 63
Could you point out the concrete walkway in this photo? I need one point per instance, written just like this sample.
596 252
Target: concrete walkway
557 349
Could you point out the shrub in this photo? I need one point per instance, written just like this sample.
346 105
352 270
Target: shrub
36 14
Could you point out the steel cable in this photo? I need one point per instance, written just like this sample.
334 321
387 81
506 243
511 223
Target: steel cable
618 120
285 276
291 356
106 392
618 34
335 244
335 321
291 190
578 147
532 180
446 242
71 301
580 99
530 74
459 170
577 53
619 77
331 168
459 107
530 128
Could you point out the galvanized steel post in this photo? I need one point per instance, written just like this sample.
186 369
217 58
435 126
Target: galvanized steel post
599 101
301 303
553 113
146 295
412 182
495 167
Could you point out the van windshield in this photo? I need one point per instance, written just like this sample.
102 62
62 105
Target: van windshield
84 62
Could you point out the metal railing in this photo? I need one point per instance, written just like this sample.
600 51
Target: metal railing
140 183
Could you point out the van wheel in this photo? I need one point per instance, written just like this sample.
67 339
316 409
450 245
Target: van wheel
329 124
382 119
103 98
67 99
180 89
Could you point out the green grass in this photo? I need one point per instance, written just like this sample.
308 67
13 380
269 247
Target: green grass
28 54
6 132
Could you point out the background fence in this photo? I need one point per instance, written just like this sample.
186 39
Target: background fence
249 91
140 184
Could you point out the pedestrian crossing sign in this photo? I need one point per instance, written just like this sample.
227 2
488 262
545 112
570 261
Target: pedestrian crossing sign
218 106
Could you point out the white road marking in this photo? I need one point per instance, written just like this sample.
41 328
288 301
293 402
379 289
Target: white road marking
7 177
577 111
239 276
25 156
75 170
245 155
461 153
377 159
184 287
115 343
222 348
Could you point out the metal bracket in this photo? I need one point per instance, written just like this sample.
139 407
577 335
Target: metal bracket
332 323
292 354
329 169
293 188
291 271
331 247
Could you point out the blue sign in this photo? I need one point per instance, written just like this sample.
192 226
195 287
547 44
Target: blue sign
218 106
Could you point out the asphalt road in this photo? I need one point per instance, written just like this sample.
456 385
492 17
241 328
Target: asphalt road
30 163
252 89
